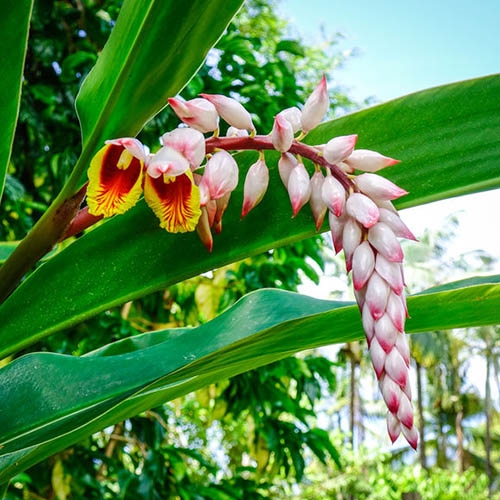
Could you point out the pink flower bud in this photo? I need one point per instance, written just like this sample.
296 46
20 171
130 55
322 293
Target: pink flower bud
236 132
393 427
315 107
282 134
351 238
398 227
231 111
292 116
361 208
167 161
221 175
318 207
189 142
197 113
256 182
369 161
333 194
386 333
391 272
368 323
391 392
363 264
377 293
396 311
404 349
299 187
384 240
338 149
286 164
405 412
411 435
336 229
395 367
376 186
377 355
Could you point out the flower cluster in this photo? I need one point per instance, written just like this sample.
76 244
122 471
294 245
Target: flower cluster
188 184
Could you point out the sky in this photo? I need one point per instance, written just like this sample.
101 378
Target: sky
406 46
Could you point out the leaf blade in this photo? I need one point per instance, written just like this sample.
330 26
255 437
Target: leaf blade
132 256
13 43
140 373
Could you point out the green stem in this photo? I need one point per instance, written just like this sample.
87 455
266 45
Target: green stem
46 232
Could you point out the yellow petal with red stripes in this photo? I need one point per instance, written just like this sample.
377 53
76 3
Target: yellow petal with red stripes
115 181
174 200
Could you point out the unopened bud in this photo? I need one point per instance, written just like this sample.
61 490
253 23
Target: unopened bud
231 111
256 182
197 113
315 107
369 161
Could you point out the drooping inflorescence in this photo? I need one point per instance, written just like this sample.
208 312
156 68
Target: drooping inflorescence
188 184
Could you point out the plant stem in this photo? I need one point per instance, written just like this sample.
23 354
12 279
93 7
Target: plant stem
40 240
262 142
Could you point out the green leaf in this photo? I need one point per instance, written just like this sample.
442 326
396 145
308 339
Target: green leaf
65 398
14 26
132 256
153 51
291 46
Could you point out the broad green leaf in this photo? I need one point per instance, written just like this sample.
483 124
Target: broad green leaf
153 51
130 256
14 26
64 398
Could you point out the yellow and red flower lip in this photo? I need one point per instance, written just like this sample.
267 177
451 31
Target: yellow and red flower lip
174 200
115 177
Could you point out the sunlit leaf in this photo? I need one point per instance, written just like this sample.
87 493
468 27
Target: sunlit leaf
132 256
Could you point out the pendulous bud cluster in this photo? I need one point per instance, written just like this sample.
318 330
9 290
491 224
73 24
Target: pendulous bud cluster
188 184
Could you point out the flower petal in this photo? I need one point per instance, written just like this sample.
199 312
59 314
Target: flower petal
175 201
115 181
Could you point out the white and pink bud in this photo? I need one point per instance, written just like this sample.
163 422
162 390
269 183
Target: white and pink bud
318 206
351 238
236 132
383 239
197 113
333 194
398 227
315 107
188 141
286 164
336 150
336 229
282 134
378 187
299 187
363 264
294 117
363 209
256 183
220 176
369 161
167 161
231 111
